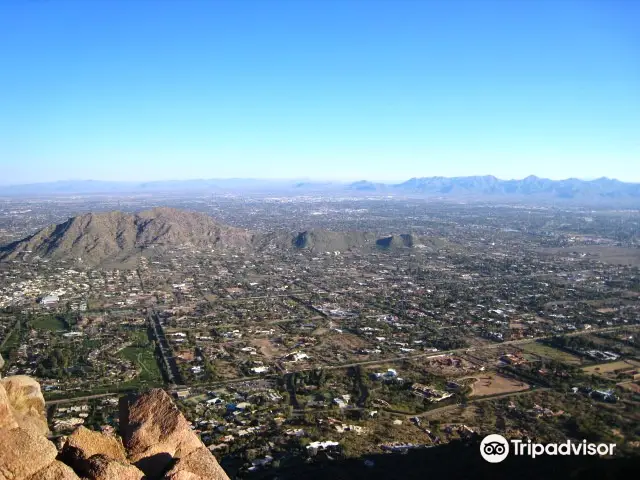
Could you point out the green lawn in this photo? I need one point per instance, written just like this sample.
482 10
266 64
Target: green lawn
48 323
139 337
12 341
552 353
144 359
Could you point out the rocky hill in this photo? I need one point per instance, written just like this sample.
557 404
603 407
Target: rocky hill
157 442
324 241
116 238
95 237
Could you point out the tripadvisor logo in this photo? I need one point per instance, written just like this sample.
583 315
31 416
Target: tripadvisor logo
495 448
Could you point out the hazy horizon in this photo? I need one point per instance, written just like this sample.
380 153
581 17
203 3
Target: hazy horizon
296 179
328 91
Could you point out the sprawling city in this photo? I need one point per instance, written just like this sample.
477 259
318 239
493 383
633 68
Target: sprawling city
448 322
319 240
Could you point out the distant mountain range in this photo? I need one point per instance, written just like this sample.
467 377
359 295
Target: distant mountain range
117 238
531 186
477 187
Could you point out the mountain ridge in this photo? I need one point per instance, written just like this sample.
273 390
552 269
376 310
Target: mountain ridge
479 186
117 237
95 237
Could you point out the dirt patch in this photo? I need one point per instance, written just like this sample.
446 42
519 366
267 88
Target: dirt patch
493 384
266 348
226 370
612 369
631 386
606 310
345 341
186 355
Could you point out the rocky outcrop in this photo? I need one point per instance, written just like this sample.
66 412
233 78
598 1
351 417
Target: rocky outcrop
154 431
83 444
198 465
7 421
158 442
26 403
55 471
24 453
101 467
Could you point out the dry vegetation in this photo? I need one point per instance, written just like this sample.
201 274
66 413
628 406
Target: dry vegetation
494 384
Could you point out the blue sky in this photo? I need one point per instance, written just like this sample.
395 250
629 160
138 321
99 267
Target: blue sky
148 90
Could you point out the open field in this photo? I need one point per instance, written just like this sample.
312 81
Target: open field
611 369
48 323
494 384
266 347
551 353
145 362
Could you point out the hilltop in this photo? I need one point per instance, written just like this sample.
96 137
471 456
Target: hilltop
95 237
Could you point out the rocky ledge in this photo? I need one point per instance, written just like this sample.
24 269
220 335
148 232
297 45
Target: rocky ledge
157 441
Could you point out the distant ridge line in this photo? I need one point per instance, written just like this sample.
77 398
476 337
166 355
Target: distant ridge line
479 186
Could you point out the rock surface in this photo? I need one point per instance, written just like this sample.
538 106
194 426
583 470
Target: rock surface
27 403
23 453
6 412
182 475
158 439
101 467
55 471
200 464
154 431
83 444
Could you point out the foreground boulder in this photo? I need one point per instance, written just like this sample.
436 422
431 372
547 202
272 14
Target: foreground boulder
101 467
154 431
83 444
198 465
23 453
26 403
6 412
55 471
158 442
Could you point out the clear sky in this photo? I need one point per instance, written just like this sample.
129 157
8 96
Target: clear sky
149 90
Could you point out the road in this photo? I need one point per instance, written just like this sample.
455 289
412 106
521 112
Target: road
79 399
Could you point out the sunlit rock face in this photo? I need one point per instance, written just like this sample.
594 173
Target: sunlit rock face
158 441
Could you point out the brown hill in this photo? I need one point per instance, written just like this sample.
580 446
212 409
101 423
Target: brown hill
117 238
325 241
97 237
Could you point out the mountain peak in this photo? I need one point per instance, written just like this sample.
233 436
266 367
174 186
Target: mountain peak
96 237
